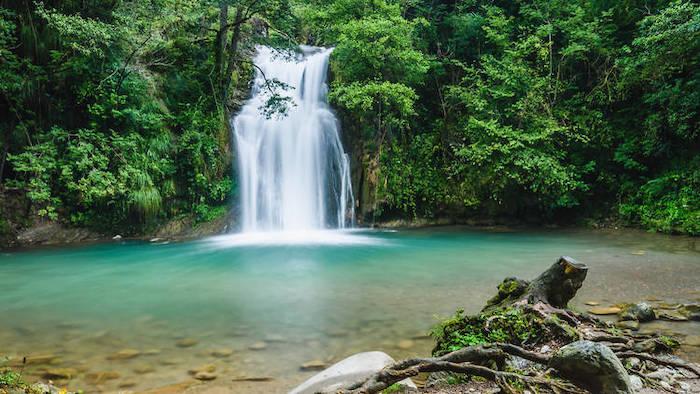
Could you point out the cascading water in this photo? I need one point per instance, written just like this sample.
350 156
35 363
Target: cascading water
293 173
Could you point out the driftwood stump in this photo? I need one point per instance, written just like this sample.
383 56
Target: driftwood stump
554 287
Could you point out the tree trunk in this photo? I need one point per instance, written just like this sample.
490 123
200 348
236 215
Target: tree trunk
220 43
554 287
559 284
232 54
2 163
5 151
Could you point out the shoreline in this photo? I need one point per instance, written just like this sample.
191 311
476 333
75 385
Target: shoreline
56 235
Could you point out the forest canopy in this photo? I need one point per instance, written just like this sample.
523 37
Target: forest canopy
115 114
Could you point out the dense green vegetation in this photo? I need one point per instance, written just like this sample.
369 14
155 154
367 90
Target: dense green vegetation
114 112
526 109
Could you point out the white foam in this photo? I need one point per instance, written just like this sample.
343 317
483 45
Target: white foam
284 238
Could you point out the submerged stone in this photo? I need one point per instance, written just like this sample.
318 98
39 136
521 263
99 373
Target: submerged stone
124 354
314 365
275 338
258 346
144 369
202 368
628 325
59 373
205 376
222 352
101 376
690 311
692 340
127 384
405 344
246 378
170 362
186 342
603 310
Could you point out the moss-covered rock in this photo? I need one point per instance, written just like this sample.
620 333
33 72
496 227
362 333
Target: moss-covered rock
501 325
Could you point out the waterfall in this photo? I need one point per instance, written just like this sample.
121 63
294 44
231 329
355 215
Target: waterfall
293 172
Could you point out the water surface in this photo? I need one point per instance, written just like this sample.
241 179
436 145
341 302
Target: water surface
344 293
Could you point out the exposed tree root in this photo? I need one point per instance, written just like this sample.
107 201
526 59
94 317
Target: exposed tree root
464 361
660 361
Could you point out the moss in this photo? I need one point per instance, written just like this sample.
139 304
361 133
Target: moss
394 388
567 332
507 325
509 290
671 343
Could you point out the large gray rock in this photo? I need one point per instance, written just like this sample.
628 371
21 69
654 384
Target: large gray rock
594 366
346 372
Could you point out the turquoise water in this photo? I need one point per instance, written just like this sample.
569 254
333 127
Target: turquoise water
345 293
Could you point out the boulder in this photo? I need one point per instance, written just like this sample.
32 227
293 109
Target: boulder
346 372
594 366
641 312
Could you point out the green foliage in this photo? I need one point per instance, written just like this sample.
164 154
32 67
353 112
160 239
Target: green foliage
527 109
413 179
110 117
379 48
394 388
670 203
10 379
503 325
112 113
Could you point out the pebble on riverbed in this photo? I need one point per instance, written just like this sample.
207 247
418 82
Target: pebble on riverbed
205 376
144 369
603 310
258 346
127 384
186 342
628 324
101 376
246 378
405 344
59 373
222 352
202 368
314 365
124 354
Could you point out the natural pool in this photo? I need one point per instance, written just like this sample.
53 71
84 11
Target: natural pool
344 293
